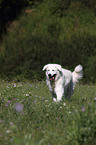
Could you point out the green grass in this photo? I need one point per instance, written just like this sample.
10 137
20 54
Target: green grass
29 117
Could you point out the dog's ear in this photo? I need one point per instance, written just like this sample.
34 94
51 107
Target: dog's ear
58 67
45 67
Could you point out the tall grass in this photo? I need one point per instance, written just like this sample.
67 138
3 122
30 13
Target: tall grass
28 115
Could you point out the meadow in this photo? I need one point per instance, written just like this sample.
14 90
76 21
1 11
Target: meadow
28 116
55 31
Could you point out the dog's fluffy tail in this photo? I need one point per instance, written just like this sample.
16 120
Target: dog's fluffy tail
77 74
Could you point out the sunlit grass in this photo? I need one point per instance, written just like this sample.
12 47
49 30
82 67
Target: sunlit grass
28 115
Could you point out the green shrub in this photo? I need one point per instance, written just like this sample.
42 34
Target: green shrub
44 35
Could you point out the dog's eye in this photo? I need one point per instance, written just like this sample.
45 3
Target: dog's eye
53 70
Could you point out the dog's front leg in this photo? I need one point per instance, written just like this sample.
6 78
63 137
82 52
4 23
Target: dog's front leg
59 94
53 96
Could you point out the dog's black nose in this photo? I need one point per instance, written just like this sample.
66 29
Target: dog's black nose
49 75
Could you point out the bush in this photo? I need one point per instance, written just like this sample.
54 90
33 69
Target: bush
44 35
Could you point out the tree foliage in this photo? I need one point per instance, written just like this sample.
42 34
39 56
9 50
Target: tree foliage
52 31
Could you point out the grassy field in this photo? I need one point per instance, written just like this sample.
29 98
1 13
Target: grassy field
29 117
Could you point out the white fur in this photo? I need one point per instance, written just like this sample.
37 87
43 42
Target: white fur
61 81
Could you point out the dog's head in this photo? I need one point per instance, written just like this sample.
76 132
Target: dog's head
53 71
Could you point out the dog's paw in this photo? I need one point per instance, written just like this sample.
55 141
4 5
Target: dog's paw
54 99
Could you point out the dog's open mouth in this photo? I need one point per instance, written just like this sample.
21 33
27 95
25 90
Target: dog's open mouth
52 77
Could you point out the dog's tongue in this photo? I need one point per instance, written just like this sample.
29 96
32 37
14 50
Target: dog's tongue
52 78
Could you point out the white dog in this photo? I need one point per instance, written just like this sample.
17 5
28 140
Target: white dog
61 81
